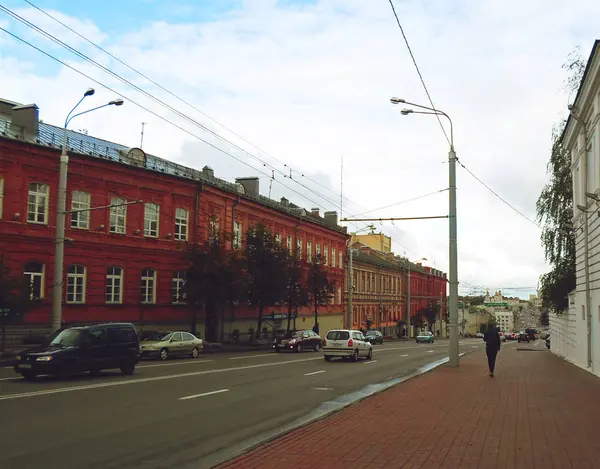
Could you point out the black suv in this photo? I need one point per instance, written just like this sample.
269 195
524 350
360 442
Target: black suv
78 349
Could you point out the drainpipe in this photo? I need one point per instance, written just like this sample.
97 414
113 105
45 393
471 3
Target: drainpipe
196 213
588 298
350 283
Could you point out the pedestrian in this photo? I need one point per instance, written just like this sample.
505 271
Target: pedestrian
492 347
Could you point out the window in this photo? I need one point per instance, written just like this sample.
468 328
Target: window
317 250
148 286
325 255
1 196
237 235
278 238
213 227
34 273
118 214
591 167
583 312
80 201
339 295
177 337
178 288
354 315
340 259
333 258
309 251
299 247
151 213
187 337
76 284
37 203
289 243
181 224
114 285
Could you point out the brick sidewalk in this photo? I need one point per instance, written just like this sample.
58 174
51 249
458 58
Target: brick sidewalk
538 412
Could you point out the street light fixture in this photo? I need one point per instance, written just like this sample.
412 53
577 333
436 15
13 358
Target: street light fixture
452 230
59 238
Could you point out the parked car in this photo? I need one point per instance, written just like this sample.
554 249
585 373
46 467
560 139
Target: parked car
74 350
346 343
425 336
502 336
374 337
173 344
298 341
523 337
548 341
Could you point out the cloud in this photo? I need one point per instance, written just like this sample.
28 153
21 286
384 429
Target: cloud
310 81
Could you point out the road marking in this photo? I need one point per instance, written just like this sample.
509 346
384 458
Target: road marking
474 346
9 379
148 380
370 361
405 355
430 351
176 363
254 356
314 373
323 389
203 394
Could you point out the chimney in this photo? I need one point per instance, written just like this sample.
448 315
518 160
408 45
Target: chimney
314 211
25 120
208 172
285 201
331 218
251 185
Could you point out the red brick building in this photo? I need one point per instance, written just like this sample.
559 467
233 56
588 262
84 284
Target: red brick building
128 262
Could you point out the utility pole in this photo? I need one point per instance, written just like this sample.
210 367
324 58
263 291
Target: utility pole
142 139
453 255
350 285
408 302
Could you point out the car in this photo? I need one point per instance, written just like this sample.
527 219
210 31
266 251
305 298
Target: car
523 337
374 337
298 341
548 341
177 343
79 349
479 335
346 343
502 336
425 336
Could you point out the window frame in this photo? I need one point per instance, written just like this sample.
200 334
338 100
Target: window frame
113 276
177 286
147 280
84 214
148 231
181 224
45 205
1 197
31 274
117 211
238 229
75 276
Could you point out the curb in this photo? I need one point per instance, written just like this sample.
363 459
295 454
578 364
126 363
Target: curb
325 410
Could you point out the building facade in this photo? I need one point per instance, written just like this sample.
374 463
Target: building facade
380 285
581 138
127 261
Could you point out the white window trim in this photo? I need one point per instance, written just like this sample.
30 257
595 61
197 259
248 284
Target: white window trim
153 278
278 238
177 287
119 213
237 235
78 205
46 202
148 232
309 251
112 277
42 275
213 227
325 255
76 276
340 259
299 247
289 243
181 222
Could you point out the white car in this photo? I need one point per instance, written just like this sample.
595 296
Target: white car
346 344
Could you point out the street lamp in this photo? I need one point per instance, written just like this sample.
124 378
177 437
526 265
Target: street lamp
59 238
452 231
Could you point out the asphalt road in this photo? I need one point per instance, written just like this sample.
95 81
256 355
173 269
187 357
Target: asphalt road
185 413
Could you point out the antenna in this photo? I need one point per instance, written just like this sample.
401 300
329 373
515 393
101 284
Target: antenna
342 187
142 140
271 182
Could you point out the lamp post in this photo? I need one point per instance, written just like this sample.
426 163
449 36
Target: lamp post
452 229
59 238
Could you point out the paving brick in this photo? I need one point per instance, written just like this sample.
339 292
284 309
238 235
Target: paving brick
538 411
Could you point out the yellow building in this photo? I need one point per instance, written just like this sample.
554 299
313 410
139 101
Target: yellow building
377 241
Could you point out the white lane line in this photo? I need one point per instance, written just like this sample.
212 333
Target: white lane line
16 377
203 394
371 361
175 363
148 380
314 373
254 356
405 355
323 389
474 346
430 351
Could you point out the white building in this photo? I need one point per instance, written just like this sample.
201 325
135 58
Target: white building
504 320
576 335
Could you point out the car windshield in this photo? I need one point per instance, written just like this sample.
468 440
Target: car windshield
158 336
371 333
338 335
67 337
167 337
425 333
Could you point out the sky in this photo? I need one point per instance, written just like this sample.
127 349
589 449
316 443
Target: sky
273 88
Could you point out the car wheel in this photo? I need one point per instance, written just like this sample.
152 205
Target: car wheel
299 348
317 347
355 356
195 352
327 358
276 349
127 368
164 354
370 355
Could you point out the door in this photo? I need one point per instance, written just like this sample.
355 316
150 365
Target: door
176 346
360 343
97 353
188 342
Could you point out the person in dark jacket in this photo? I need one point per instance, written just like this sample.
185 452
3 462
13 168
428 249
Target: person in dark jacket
492 347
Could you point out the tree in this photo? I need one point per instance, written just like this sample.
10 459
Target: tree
430 314
544 319
555 209
417 321
296 293
320 288
267 263
15 298
216 278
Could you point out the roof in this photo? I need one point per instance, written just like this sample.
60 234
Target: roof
595 48
51 136
376 258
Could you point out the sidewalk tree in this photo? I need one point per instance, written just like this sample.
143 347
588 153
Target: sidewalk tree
418 320
555 209
15 298
320 288
216 278
296 293
267 267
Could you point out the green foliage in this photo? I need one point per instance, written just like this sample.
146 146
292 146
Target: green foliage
297 293
15 298
555 209
544 319
418 320
320 288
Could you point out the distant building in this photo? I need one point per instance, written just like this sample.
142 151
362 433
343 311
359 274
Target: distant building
377 241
